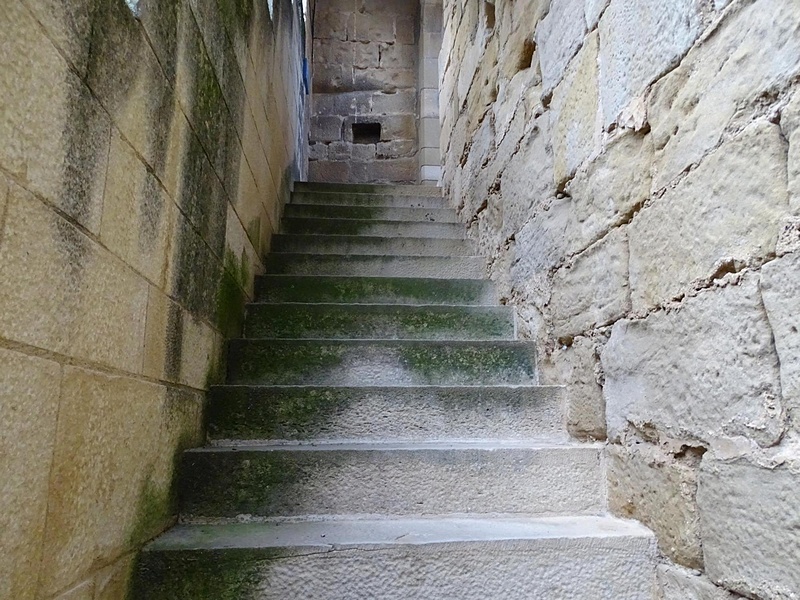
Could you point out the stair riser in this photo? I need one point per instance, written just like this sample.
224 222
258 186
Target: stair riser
372 228
390 414
380 363
371 213
360 290
371 246
369 188
288 483
386 200
619 568
379 322
469 267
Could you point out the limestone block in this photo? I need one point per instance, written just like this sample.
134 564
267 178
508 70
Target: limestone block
326 128
749 514
63 292
398 127
137 213
366 56
405 30
429 77
429 106
704 371
341 150
329 171
365 152
330 22
398 56
162 335
647 485
592 291
55 134
112 469
29 392
559 37
780 288
395 7
790 124
594 10
375 26
334 52
612 187
676 583
386 171
112 582
384 79
730 207
83 591
576 367
399 102
396 149
332 78
574 113
718 83
640 41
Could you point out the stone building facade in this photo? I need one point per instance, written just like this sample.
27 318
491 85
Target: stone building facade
632 168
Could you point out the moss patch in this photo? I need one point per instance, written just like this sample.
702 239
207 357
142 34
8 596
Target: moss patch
231 297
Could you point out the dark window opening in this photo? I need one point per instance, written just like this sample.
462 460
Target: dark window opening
488 10
526 58
366 133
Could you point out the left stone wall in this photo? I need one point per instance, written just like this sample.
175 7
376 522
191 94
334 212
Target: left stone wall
148 147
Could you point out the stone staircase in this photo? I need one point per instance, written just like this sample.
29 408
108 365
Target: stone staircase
382 434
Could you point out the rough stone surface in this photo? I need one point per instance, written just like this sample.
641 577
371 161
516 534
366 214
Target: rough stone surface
680 584
559 36
739 196
748 513
790 125
577 368
647 485
724 382
640 41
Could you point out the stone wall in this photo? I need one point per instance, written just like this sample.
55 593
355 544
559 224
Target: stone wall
632 168
365 79
148 146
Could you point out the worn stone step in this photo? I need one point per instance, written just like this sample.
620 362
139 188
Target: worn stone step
368 188
380 362
442 267
393 479
570 558
373 228
384 413
371 245
374 290
398 200
379 321
371 213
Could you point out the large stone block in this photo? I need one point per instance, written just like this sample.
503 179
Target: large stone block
612 187
327 128
577 368
576 134
640 41
705 371
334 52
729 208
594 10
720 81
29 393
780 288
790 124
384 79
373 27
592 291
676 583
398 56
112 469
329 171
647 485
558 37
749 514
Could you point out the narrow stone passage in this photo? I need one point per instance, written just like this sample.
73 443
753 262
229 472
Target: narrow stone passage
382 434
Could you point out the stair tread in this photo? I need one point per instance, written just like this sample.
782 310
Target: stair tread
344 531
399 446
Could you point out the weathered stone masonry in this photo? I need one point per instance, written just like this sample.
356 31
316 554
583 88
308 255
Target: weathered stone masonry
148 147
632 168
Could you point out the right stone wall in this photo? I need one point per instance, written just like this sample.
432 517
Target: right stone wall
632 169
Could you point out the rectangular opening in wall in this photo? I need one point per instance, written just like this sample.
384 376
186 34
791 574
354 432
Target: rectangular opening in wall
488 11
366 133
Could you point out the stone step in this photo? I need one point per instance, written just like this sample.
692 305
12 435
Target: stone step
384 413
373 228
380 362
374 290
371 213
401 200
370 245
392 479
379 321
369 188
442 267
574 558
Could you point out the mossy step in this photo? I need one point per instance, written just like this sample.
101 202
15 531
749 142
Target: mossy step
373 228
406 479
371 213
380 362
443 267
373 290
384 413
368 188
402 200
478 558
371 245
379 321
